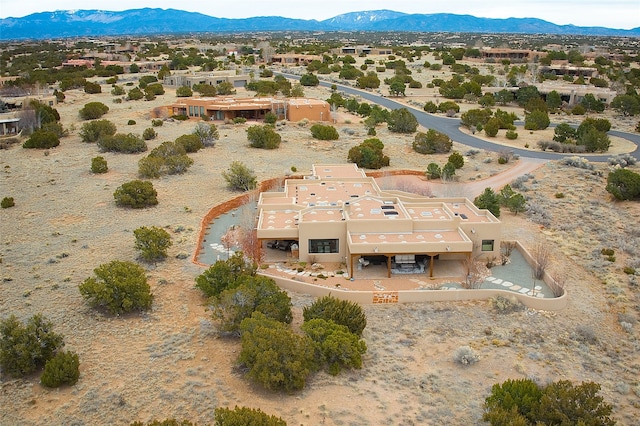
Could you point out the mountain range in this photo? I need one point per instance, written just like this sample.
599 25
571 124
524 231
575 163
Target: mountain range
149 21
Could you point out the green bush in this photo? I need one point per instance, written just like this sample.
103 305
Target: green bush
184 92
241 416
152 243
120 142
432 142
131 123
511 134
24 348
170 158
93 110
207 133
263 137
239 120
274 356
536 120
402 121
94 130
492 127
149 133
342 312
145 80
119 287
254 294
154 90
324 133
117 91
335 345
136 194
99 165
62 369
135 94
42 139
270 118
190 143
92 88
7 202
157 122
239 177
623 184
488 200
456 159
434 171
369 154
225 274
448 171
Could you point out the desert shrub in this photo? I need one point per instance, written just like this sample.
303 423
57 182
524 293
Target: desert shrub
263 137
511 134
324 133
157 122
488 200
56 128
225 274
275 356
623 184
119 287
120 142
240 416
433 171
131 123
474 117
136 194
149 133
170 158
536 120
239 120
593 140
254 294
92 88
622 160
117 91
492 127
145 80
585 334
448 171
135 94
402 121
564 133
506 305
430 107
513 402
449 106
239 177
456 159
184 92
7 202
190 143
559 195
152 243
270 118
335 345
42 139
93 110
369 154
207 133
62 369
92 131
341 312
579 162
24 348
432 142
465 355
99 165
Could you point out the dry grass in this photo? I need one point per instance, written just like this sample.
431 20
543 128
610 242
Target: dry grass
170 363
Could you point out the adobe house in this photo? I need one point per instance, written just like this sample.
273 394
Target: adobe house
211 79
228 108
339 215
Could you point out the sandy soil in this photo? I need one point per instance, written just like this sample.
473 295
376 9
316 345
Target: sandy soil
169 362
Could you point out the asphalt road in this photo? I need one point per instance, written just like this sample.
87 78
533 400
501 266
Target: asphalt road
451 127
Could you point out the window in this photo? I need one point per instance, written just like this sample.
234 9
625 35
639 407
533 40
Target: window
324 246
190 110
487 245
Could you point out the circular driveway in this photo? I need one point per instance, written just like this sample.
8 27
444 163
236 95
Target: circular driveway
451 127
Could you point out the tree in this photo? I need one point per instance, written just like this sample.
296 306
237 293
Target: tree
149 133
593 140
554 101
191 143
325 133
169 158
263 137
99 165
184 92
590 103
241 416
402 121
433 171
92 88
488 200
525 94
627 105
225 274
492 127
93 110
456 159
135 94
239 177
24 348
536 120
448 171
297 91
309 80
335 345
342 312
504 96
152 243
512 398
62 369
207 133
432 142
562 402
369 81
474 117
397 87
42 139
275 356
118 286
254 294
136 194
120 142
430 107
92 131
564 133
623 184
487 100
369 154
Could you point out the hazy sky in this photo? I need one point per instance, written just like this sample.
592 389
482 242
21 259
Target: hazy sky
606 13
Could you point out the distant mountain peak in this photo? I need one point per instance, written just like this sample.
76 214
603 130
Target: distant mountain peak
78 22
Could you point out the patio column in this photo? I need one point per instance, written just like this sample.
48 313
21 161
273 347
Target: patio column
388 266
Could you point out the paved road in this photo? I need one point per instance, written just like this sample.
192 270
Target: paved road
451 127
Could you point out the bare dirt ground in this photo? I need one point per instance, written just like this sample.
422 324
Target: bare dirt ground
169 362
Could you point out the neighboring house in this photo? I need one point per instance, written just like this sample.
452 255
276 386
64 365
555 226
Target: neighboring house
294 59
143 66
572 94
340 215
228 108
511 54
211 78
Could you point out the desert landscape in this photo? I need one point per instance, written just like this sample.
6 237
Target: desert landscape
171 363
